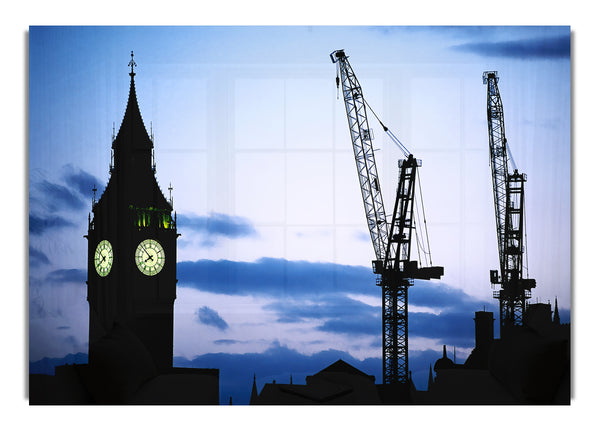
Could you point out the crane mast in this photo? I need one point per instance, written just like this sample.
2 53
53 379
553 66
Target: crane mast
391 241
509 194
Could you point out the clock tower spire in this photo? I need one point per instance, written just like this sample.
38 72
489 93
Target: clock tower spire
132 249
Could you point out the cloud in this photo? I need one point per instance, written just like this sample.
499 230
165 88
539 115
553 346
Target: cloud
452 328
217 225
226 342
39 225
546 48
37 306
275 278
82 181
67 276
342 315
440 295
314 291
49 198
339 314
210 317
59 197
353 325
37 258
362 236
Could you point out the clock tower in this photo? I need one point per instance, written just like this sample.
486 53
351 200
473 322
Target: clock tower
132 245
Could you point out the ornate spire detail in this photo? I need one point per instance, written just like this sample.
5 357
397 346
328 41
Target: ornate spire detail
132 132
132 64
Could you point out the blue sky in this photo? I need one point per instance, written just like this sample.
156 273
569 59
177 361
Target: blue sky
250 133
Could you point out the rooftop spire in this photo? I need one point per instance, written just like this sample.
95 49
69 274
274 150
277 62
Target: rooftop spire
132 64
132 132
254 393
430 380
556 318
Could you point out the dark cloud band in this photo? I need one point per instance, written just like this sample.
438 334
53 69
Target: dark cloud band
542 48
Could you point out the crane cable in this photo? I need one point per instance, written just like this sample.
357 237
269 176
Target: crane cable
389 132
525 240
420 246
428 250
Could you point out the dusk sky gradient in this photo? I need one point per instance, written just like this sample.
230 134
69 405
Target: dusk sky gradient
249 132
251 135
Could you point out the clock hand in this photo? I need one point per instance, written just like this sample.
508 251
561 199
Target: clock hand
148 254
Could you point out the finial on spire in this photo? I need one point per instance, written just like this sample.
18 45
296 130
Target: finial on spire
132 64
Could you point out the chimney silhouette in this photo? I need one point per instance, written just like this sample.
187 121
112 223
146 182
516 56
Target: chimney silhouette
484 330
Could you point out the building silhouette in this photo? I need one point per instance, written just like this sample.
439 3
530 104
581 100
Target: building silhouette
131 289
339 383
528 365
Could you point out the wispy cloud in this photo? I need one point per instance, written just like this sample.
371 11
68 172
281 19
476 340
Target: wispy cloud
51 198
216 226
440 295
83 182
57 196
453 323
226 342
39 225
339 314
540 48
37 257
208 316
67 276
276 278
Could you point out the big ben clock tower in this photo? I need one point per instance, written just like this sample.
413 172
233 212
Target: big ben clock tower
132 245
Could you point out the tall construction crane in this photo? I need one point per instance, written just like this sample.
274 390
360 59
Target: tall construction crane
391 240
509 195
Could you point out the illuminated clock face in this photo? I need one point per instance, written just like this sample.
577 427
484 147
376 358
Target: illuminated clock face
150 257
103 258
